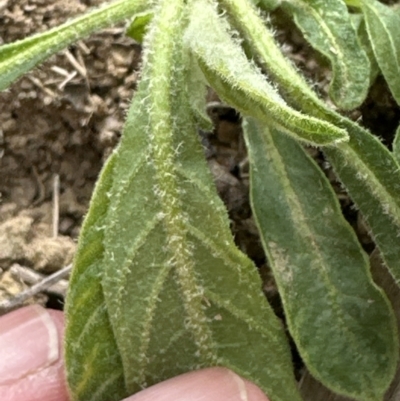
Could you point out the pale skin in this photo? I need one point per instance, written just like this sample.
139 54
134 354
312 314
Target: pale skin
32 369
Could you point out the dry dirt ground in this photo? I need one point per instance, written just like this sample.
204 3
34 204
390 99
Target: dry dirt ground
60 122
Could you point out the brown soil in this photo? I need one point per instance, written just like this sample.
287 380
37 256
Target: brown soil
61 121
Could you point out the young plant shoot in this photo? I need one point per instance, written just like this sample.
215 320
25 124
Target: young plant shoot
159 287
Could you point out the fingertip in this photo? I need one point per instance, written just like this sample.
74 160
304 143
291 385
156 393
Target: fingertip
31 367
212 384
59 320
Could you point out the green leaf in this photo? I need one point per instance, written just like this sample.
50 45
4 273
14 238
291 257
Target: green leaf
267 52
371 176
197 88
240 84
326 25
396 145
362 34
19 57
367 168
93 364
157 247
384 33
353 3
267 5
138 27
343 325
396 9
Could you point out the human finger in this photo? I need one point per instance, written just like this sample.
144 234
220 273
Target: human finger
31 358
212 384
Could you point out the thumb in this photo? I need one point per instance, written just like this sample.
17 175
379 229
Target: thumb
212 384
31 363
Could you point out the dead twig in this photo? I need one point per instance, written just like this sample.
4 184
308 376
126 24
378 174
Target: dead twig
31 277
56 204
74 62
44 285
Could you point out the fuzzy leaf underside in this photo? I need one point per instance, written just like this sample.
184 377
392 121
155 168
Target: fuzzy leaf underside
265 50
166 274
396 145
197 88
371 176
241 84
383 29
138 27
93 364
359 25
19 57
331 304
326 25
365 166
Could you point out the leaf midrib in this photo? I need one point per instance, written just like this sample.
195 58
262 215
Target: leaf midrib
161 142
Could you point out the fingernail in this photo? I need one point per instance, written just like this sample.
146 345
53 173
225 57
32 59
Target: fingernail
28 343
211 384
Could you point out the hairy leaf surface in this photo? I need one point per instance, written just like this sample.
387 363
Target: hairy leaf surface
241 84
173 291
342 323
371 176
19 57
384 33
93 363
366 167
396 145
197 88
260 39
359 25
138 27
326 25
